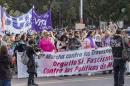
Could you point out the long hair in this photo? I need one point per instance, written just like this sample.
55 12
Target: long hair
89 34
23 37
3 50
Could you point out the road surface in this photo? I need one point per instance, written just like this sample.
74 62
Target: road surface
100 80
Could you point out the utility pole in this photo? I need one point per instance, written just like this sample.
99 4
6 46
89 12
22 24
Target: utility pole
81 11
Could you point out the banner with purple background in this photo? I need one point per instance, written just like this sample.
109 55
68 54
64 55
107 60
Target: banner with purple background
41 22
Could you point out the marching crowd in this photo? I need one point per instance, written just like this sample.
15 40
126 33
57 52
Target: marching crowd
55 41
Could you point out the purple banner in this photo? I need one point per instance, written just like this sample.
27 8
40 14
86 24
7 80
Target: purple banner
41 22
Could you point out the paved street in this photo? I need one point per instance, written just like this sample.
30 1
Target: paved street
100 80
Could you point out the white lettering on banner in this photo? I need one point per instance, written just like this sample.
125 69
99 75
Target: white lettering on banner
46 16
45 27
18 24
71 62
40 22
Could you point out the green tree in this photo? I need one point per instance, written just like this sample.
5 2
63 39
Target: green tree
106 9
66 12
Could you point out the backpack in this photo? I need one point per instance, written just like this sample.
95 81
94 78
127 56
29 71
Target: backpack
24 58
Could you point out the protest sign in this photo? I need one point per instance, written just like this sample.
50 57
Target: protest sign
79 26
30 20
41 22
70 62
18 24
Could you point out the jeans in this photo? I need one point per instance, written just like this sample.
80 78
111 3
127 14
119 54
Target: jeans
5 82
119 70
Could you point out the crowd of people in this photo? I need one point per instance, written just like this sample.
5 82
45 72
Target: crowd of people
55 41
69 39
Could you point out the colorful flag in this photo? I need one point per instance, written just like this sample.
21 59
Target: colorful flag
2 19
18 24
41 22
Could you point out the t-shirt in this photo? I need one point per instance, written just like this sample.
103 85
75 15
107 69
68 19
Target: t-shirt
117 46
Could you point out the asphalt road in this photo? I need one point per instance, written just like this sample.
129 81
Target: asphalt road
100 80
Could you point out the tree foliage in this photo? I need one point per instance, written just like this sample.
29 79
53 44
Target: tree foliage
66 12
106 9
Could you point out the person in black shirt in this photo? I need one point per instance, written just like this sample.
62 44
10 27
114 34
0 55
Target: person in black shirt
31 65
119 64
21 45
